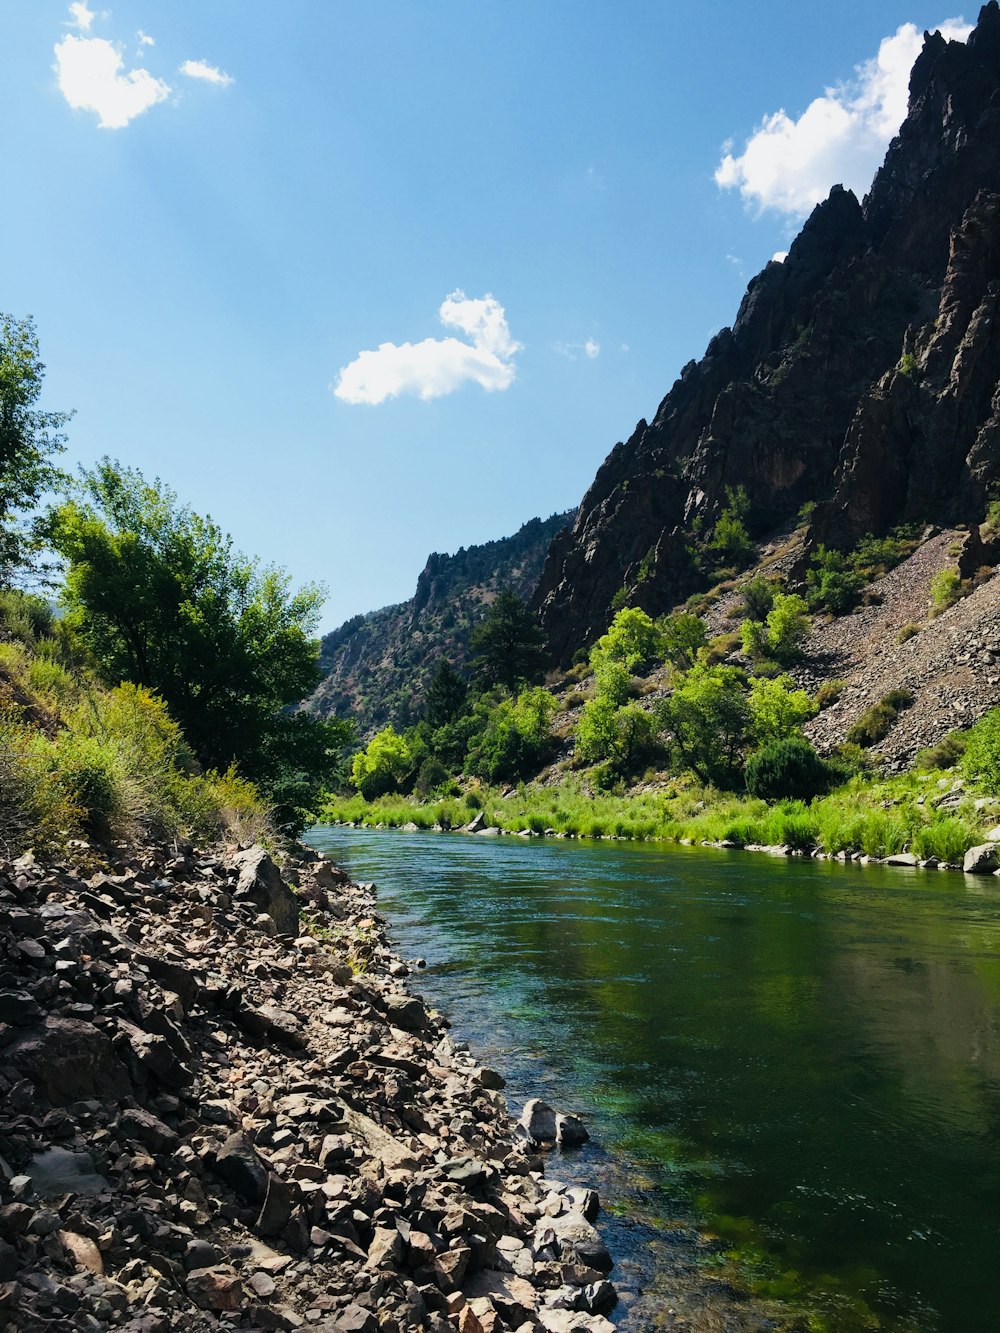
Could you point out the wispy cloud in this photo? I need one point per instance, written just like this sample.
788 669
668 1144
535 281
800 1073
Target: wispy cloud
790 164
144 38
200 69
437 366
591 349
80 16
92 77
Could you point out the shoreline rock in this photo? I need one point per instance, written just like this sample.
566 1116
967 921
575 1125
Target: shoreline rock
221 1108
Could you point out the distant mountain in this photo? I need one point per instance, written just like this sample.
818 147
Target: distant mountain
378 665
860 375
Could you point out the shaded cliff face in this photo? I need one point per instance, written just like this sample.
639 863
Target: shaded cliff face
861 373
379 664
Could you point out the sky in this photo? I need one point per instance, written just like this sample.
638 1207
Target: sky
366 279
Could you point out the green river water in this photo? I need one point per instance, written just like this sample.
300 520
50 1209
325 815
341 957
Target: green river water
791 1069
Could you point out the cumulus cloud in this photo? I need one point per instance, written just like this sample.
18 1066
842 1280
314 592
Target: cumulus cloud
80 16
779 256
437 366
790 164
92 77
201 69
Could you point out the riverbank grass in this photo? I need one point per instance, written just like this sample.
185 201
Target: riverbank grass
864 817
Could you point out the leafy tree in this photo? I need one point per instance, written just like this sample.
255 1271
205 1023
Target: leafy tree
619 735
516 738
383 766
161 598
446 695
613 682
509 645
632 639
787 627
708 719
777 709
730 544
758 598
28 438
681 636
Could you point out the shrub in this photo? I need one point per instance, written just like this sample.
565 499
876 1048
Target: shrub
945 754
92 774
981 761
36 807
946 589
432 775
758 598
876 722
829 692
908 632
788 769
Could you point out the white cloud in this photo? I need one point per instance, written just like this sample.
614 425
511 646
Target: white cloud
91 76
80 16
779 256
789 165
200 69
145 39
573 351
437 366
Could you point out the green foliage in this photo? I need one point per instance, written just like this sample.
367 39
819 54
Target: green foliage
945 754
620 736
516 739
907 632
383 766
709 722
446 695
829 692
981 761
789 769
28 439
787 627
612 681
36 807
509 645
876 722
836 579
431 776
632 639
730 545
681 636
777 709
907 364
159 597
758 598
946 589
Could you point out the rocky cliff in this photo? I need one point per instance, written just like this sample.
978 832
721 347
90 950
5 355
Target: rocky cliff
860 374
378 665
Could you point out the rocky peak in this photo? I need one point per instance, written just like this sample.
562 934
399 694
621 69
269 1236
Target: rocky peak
807 397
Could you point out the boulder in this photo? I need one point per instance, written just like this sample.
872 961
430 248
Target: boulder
575 1236
215 1288
539 1120
982 860
570 1131
68 1060
239 1166
260 881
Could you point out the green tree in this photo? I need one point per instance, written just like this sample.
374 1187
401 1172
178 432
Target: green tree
981 761
632 639
161 598
708 719
682 634
730 545
789 770
618 735
516 738
383 766
509 645
446 695
777 709
787 627
28 439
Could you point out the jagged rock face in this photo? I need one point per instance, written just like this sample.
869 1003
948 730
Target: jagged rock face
378 665
801 400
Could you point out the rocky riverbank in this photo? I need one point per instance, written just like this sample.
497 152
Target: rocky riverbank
221 1107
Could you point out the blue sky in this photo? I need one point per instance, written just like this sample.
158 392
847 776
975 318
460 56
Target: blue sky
219 211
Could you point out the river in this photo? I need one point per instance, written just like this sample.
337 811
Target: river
791 1069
